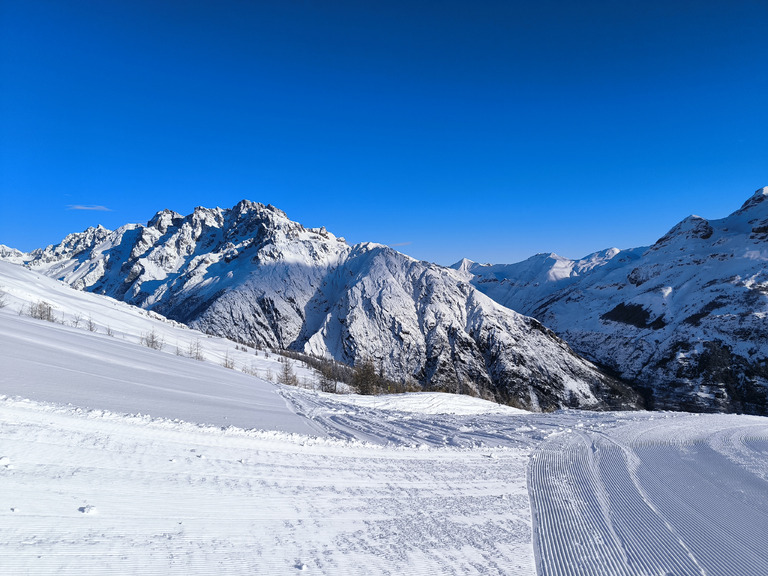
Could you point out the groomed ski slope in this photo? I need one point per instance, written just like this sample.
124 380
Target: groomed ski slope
684 496
116 458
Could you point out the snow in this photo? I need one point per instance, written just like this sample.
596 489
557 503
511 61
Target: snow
250 274
118 458
682 494
67 365
127 324
703 287
429 403
107 493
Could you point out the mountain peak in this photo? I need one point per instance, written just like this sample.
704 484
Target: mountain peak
463 265
691 228
165 219
760 195
245 205
11 254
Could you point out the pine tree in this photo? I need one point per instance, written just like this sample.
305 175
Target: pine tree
365 377
286 375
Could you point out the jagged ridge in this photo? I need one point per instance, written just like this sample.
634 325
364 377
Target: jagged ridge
251 274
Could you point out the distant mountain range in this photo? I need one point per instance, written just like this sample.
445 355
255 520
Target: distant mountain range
682 322
685 320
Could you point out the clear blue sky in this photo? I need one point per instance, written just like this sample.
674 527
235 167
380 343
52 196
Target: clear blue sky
491 130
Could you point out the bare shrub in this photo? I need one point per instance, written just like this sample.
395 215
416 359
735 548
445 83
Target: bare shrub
252 370
41 310
195 350
152 340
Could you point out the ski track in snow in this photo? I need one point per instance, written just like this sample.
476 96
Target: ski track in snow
101 493
684 496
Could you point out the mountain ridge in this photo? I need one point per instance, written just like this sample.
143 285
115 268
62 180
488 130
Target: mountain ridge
683 318
252 275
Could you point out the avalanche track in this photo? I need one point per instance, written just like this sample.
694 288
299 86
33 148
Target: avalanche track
682 496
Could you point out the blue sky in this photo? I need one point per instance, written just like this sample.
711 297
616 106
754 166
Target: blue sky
487 130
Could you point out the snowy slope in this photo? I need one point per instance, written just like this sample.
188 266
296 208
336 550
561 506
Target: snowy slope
134 460
252 275
58 362
100 493
103 475
685 317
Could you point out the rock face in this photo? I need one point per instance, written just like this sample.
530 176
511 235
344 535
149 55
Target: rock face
251 274
686 319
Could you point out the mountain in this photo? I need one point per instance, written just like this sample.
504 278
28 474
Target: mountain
11 254
252 275
685 318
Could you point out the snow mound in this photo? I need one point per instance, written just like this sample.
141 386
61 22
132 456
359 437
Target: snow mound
430 403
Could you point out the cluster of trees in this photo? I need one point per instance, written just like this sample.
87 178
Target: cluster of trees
365 376
42 310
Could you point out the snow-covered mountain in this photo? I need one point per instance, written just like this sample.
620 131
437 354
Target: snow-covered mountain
11 254
123 458
687 318
251 274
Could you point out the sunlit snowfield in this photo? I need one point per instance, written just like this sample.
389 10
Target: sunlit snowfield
116 458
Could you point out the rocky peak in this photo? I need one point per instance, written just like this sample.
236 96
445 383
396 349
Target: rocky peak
164 220
757 199
11 254
691 228
206 217
72 245
246 205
